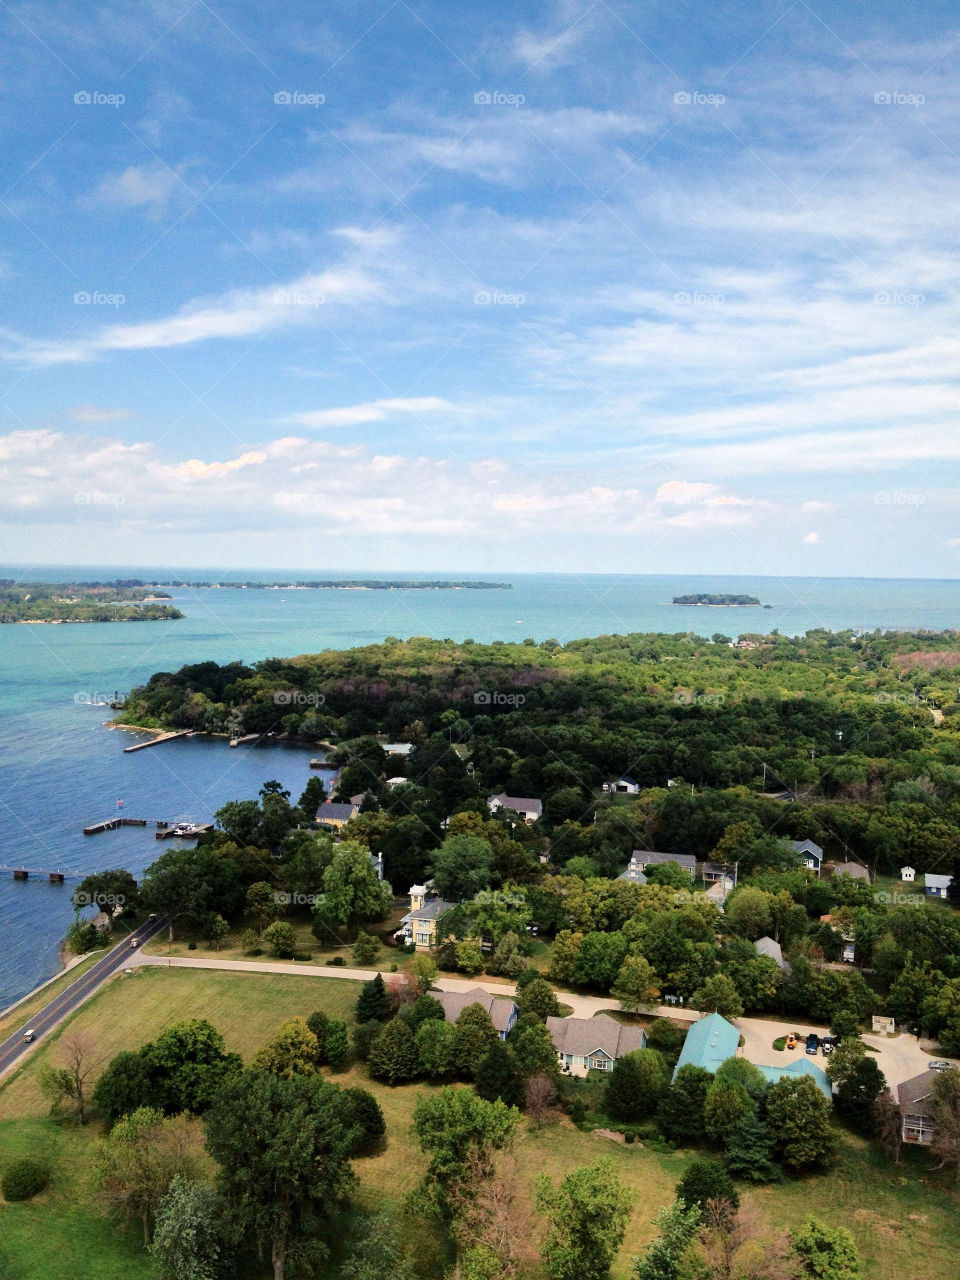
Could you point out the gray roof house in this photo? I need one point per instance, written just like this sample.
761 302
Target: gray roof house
503 1013
528 806
592 1044
771 948
811 851
644 858
419 925
633 873
712 871
915 1097
852 869
936 886
337 814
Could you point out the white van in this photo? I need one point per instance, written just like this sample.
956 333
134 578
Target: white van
28 1036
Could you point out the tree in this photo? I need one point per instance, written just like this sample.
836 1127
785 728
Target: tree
393 1057
108 890
828 1253
362 1113
588 1214
636 1084
718 995
124 1086
599 959
538 997
378 1252
186 1066
563 957
189 1240
740 1071
422 1009
507 958
498 1075
281 938
534 1047
424 969
366 948
635 985
475 1035
217 929
492 1230
945 1114
137 1163
189 884
748 912
352 892
336 1044
460 1133
726 1103
262 905
844 1060
856 1096
680 1113
69 1080
707 1180
56 1083
541 1095
373 1003
435 1046
749 1148
462 867
669 874
663 1257
888 1124
282 1147
469 957
292 1050
799 1114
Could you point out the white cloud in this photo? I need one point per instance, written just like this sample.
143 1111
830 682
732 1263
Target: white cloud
93 414
809 539
372 411
148 187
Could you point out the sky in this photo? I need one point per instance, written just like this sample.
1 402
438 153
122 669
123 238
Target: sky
579 285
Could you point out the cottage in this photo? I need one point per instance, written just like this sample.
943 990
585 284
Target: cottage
936 886
915 1097
810 853
336 815
529 807
772 949
852 869
644 859
625 786
709 1042
592 1044
908 875
419 925
633 873
711 872
398 748
503 1013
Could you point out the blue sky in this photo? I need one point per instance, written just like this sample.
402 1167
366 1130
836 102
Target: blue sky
571 285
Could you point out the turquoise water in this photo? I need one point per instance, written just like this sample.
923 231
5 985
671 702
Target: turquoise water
61 769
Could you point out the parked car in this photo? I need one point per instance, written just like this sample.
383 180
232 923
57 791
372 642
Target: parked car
827 1044
813 1043
791 1041
939 1064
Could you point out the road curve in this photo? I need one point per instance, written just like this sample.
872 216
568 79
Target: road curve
51 1015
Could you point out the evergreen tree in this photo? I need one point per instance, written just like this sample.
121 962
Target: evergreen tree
748 1153
362 1112
475 1035
435 1044
725 1105
636 1084
393 1057
499 1076
588 1214
373 1003
856 1096
680 1113
336 1046
707 1180
799 1115
828 1253
536 996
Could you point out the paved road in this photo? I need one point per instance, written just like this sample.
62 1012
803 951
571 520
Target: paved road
51 1015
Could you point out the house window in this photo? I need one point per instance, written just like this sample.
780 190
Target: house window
600 1064
917 1128
423 939
568 1059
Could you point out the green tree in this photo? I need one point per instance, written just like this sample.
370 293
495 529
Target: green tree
827 1253
599 959
856 1098
680 1113
262 905
669 874
435 1044
534 1047
137 1163
366 948
663 1258
292 1050
424 969
636 1084
187 1064
124 1085
726 1103
469 957
362 1114
378 1252
563 957
748 912
706 1180
799 1114
460 1133
462 867
475 1035
216 930
336 1044
945 1113
422 1009
352 893
393 1057
498 1075
282 1147
718 995
749 1150
588 1214
538 997
635 985
373 1002
189 1238
281 938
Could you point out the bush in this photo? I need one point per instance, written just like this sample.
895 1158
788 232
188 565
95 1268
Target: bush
665 1035
578 1111
366 948
191 945
24 1179
337 962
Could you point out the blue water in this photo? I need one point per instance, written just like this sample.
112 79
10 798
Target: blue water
61 769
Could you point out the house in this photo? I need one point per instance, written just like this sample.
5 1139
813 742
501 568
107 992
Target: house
395 782
936 886
802 1067
592 1044
529 808
398 748
503 1013
709 1042
770 948
335 815
810 852
915 1097
419 925
847 952
908 875
625 786
644 858
633 873
852 869
711 872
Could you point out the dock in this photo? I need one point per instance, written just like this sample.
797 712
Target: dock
182 830
247 738
155 742
55 877
111 824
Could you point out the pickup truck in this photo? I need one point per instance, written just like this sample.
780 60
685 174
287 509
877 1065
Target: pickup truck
813 1043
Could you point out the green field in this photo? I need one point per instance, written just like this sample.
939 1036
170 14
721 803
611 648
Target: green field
900 1217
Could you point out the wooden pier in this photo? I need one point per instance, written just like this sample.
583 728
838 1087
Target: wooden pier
55 877
111 824
155 742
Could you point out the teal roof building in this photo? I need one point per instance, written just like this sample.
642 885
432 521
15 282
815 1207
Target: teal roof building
709 1042
802 1067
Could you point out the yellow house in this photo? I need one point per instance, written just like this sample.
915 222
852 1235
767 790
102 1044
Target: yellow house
336 815
419 925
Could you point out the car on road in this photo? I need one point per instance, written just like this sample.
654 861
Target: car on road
940 1064
29 1036
827 1044
134 942
791 1041
813 1043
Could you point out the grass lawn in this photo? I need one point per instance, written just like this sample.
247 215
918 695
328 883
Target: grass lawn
23 1012
903 1221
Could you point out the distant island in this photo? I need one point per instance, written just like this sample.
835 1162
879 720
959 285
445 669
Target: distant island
36 602
343 584
717 601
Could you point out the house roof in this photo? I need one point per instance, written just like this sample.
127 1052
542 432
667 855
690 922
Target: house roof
522 804
646 858
770 947
331 812
807 846
911 869
583 1036
853 869
633 874
715 869
454 1002
432 909
709 1042
398 748
802 1067
937 882
917 1093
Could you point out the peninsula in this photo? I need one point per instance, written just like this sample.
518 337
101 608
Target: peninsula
52 602
344 584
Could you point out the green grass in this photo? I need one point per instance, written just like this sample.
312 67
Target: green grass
22 1013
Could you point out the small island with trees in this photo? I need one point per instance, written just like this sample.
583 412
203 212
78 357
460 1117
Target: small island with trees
718 600
346 584
82 602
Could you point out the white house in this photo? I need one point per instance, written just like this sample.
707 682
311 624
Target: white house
625 786
812 854
592 1044
908 875
529 807
936 886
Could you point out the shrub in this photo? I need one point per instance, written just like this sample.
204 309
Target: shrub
191 945
366 948
337 962
24 1179
578 1111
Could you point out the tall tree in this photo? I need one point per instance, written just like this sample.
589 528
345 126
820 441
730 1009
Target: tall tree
262 905
137 1163
189 1237
378 1252
636 1084
664 1256
635 985
352 893
499 1075
460 1134
291 1050
588 1214
680 1112
799 1114
945 1113
373 1002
